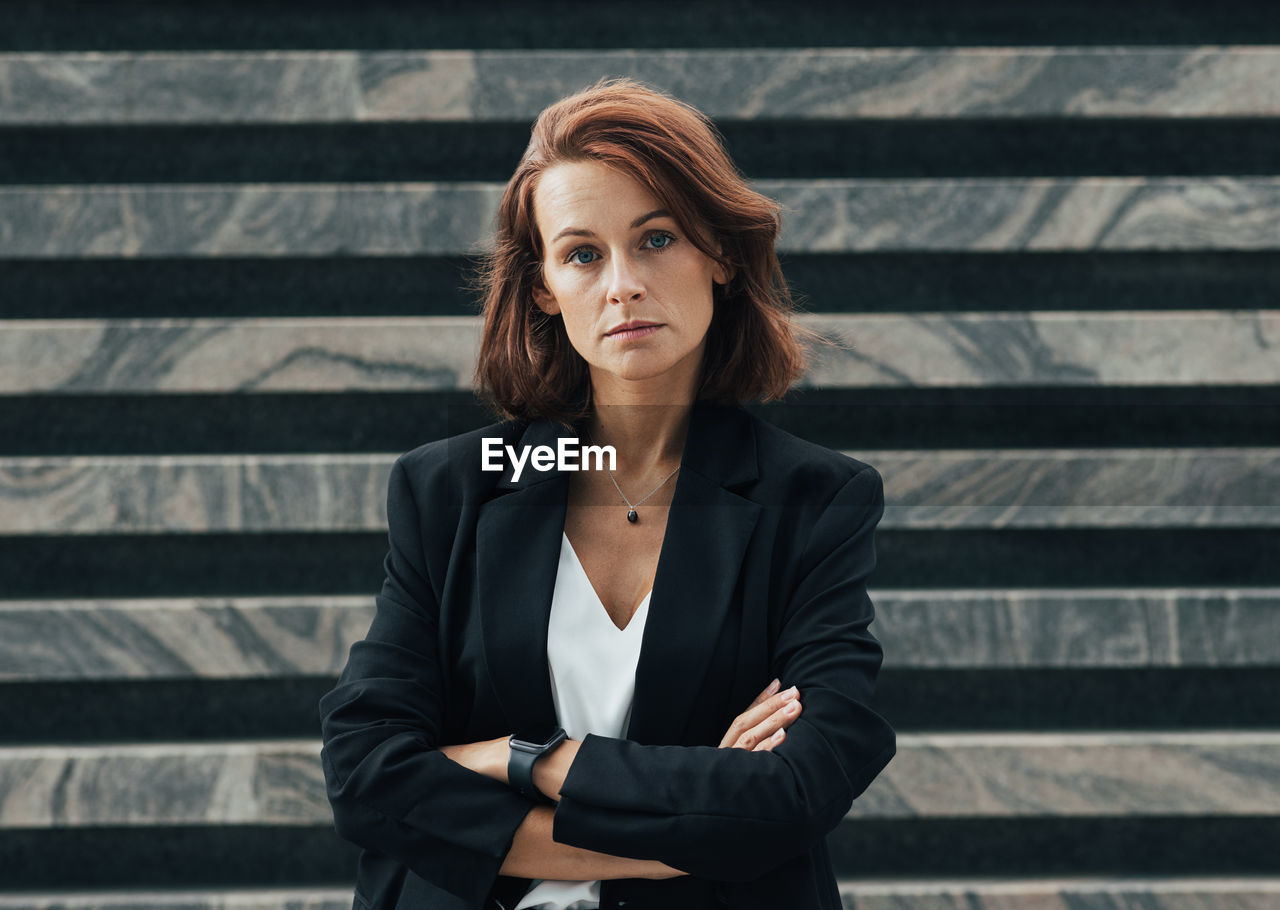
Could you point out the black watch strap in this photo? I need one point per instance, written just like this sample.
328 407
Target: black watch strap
524 753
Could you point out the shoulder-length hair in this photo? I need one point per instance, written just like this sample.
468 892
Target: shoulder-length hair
526 366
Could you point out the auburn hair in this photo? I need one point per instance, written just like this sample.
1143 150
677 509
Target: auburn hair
526 366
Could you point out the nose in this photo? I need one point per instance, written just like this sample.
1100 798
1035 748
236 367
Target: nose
625 285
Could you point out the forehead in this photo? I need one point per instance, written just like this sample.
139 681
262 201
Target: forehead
589 195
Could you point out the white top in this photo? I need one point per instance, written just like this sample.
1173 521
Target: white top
593 681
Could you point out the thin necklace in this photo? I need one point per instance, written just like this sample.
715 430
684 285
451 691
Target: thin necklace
632 515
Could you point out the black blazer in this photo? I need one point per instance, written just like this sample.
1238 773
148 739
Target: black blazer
762 573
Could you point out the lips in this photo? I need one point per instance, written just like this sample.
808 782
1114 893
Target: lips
632 328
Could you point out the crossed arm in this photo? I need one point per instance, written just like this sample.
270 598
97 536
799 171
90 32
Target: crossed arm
535 854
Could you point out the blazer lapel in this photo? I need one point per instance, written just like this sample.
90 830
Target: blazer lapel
708 529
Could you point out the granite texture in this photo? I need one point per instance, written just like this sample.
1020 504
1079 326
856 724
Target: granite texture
513 85
1075 893
1078 628
1060 348
193 493
258 783
259 637
994 488
1007 775
863 350
237 355
297 898
992 775
819 216
179 638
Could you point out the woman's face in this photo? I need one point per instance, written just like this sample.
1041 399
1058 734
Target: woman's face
634 292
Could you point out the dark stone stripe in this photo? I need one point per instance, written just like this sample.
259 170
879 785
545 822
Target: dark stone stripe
1025 147
150 565
850 283
45 25
912 700
849 419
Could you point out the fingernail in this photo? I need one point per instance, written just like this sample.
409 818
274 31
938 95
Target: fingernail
773 686
777 737
791 708
790 694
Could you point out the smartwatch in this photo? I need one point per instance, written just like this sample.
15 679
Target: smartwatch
526 748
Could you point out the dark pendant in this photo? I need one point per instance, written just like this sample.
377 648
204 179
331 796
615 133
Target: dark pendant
632 516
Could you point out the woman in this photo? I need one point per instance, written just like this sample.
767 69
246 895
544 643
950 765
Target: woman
693 617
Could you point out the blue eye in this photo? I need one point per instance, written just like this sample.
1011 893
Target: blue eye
573 257
666 239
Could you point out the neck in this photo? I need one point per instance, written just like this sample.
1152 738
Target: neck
646 424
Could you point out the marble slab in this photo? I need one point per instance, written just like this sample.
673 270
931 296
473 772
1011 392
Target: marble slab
437 353
992 214
271 637
1078 628
179 638
279 898
225 783
514 85
1008 775
944 488
988 775
1073 893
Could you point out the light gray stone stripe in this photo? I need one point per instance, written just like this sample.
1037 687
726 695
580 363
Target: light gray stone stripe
1078 628
275 637
1027 488
820 216
514 85
179 638
252 783
1046 348
1067 893
437 353
983 488
315 898
238 355
1006 775
988 775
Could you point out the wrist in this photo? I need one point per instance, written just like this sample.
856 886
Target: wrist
499 759
526 753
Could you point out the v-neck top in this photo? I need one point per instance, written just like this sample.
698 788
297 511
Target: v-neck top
593 681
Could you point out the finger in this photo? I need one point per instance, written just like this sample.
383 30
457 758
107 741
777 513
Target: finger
755 716
774 740
778 720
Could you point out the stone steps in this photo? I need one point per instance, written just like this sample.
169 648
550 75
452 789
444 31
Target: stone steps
1061 261
941 775
164 639
823 216
66 89
945 488
354 354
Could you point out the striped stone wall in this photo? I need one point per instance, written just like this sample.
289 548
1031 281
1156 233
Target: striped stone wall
234 242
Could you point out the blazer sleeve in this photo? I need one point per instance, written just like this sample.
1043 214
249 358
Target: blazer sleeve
732 814
391 789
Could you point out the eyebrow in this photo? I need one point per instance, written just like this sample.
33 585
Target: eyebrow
583 232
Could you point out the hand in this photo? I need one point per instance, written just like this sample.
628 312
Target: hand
764 724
